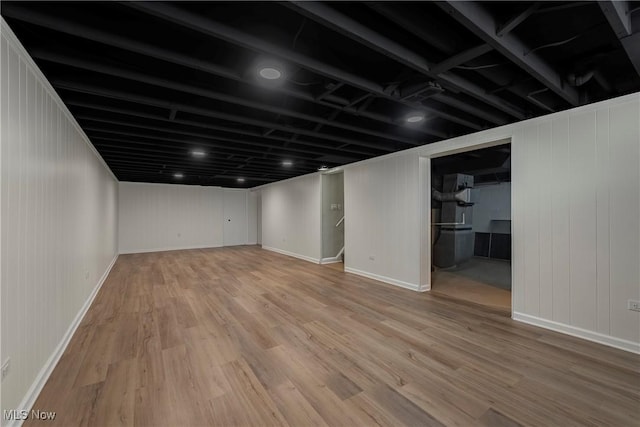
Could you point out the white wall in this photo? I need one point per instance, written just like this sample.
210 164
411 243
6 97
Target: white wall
161 217
575 217
253 218
157 217
576 204
291 217
382 238
491 202
58 209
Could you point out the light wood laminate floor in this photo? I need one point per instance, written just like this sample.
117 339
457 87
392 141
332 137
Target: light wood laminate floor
242 336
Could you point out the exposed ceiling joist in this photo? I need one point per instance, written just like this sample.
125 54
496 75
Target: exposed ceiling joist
626 27
128 44
477 19
617 13
206 112
461 58
205 92
516 20
224 32
236 131
305 147
333 19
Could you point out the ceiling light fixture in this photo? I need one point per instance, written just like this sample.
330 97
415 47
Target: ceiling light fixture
415 118
240 179
178 175
270 73
287 163
198 153
323 168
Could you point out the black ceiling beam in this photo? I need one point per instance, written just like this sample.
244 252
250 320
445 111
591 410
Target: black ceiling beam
324 148
189 143
115 158
205 93
155 174
514 21
489 116
626 27
114 40
333 19
461 58
478 20
178 152
245 132
617 13
147 100
163 163
221 31
325 151
427 28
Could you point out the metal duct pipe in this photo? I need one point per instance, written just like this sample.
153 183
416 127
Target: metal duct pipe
579 79
463 196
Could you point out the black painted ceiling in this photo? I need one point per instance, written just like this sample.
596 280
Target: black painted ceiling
152 82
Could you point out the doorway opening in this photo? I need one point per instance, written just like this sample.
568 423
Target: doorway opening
333 220
471 227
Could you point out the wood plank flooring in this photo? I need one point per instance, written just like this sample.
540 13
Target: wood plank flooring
242 336
459 287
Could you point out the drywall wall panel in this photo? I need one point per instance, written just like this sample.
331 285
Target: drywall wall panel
58 209
157 217
291 217
253 199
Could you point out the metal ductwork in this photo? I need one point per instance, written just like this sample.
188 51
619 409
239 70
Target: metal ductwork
454 244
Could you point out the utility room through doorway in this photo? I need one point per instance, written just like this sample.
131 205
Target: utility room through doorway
471 227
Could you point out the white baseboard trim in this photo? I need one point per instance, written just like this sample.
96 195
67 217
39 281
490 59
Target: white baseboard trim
400 283
165 249
619 343
42 377
292 254
330 260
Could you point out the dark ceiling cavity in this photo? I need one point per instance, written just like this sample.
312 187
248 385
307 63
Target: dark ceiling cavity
243 94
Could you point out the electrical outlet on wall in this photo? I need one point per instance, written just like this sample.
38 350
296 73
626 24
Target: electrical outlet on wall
5 368
634 305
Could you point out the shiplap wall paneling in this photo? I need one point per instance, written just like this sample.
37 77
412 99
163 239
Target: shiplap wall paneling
157 217
59 220
291 220
582 220
253 199
624 214
382 220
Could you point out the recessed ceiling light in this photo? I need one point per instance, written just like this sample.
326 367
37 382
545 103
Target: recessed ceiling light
240 179
287 163
178 175
198 153
415 118
323 168
270 73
